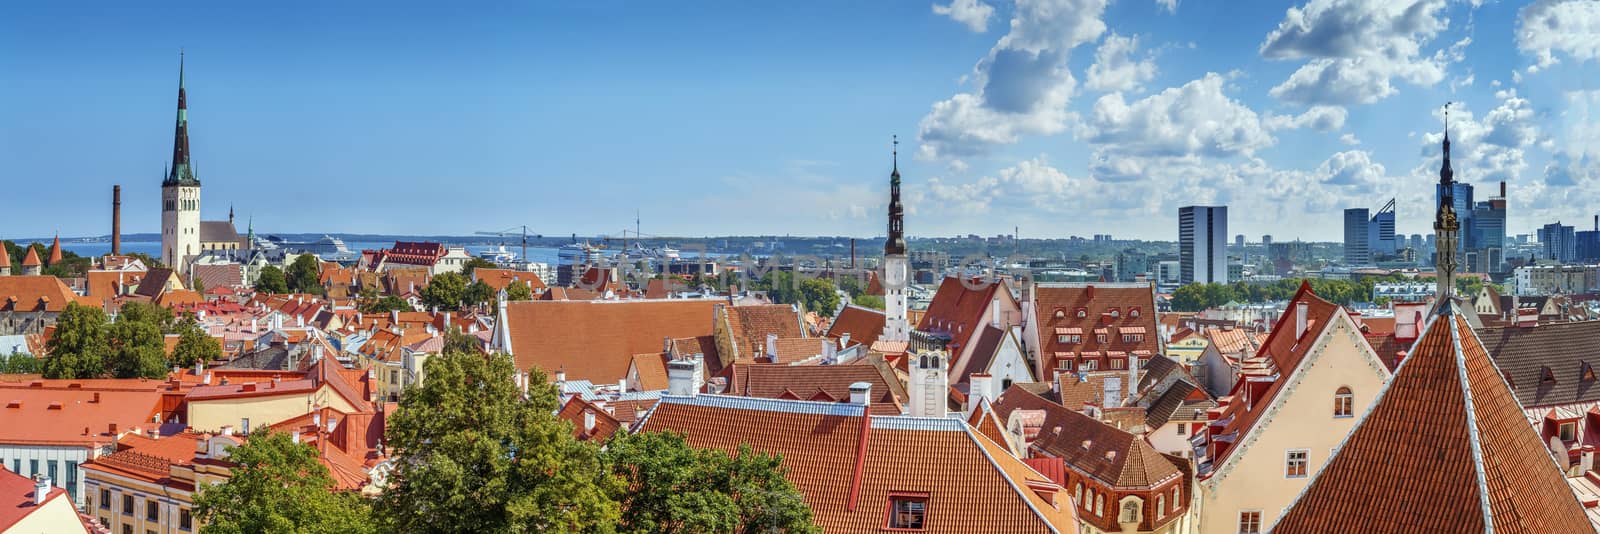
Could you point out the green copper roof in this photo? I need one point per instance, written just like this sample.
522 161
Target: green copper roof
182 172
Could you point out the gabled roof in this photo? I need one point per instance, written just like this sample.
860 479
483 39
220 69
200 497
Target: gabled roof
848 465
34 293
604 423
957 309
748 326
863 324
652 371
771 381
596 340
17 497
1087 307
499 279
1114 457
1444 448
1233 340
1566 349
154 282
218 232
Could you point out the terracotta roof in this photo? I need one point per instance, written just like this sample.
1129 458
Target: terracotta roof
5 257
55 251
148 459
31 259
1565 349
652 369
1444 448
1090 307
595 340
604 423
34 293
958 310
1233 340
863 324
17 496
802 382
686 347
798 349
55 412
748 326
103 284
501 278
154 283
1115 457
180 297
848 465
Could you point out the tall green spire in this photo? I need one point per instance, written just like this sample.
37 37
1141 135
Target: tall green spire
182 172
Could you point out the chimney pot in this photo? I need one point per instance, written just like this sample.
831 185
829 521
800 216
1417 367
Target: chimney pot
861 393
41 489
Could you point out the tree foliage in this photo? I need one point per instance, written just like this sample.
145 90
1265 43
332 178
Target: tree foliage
869 301
304 275
816 294
385 304
474 456
194 345
19 363
473 265
519 291
1195 297
673 487
279 485
272 280
79 347
445 291
477 293
138 345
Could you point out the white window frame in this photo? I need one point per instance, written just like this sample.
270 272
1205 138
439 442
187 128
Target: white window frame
1305 468
1561 429
1258 524
1349 400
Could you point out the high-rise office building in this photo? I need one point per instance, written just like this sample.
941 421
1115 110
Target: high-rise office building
1238 241
1380 232
1589 243
1202 244
1266 240
1357 248
1560 242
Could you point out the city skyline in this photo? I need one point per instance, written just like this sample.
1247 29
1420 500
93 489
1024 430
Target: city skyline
1077 120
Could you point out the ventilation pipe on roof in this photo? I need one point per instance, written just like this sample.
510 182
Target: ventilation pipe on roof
1301 311
861 393
680 378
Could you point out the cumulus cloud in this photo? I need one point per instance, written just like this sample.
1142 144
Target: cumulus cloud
1353 168
1021 87
1349 139
1320 118
1355 48
974 14
1197 119
1115 68
1571 27
1033 183
1170 5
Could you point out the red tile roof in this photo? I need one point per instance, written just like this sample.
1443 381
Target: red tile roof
652 370
604 423
1445 448
848 466
957 309
5 257
32 258
803 382
595 340
34 293
76 412
1090 308
1115 457
17 496
501 278
862 324
748 327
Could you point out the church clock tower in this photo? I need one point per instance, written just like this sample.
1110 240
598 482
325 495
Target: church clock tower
895 267
180 195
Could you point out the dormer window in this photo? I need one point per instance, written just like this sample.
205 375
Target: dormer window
1083 312
1568 431
1134 313
1546 376
1061 314
1587 374
907 511
1115 314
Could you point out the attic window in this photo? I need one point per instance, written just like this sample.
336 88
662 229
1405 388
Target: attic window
1134 313
1588 373
1083 312
1111 456
1546 376
1115 314
1087 443
1061 314
907 511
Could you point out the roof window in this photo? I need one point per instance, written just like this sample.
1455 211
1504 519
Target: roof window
907 511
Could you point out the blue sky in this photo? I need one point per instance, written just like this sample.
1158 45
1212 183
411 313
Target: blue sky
1063 117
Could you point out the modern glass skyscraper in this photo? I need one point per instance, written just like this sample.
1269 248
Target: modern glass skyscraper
1203 244
1357 248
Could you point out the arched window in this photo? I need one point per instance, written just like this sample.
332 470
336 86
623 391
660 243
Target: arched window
1077 493
1343 403
1175 502
1130 511
1099 502
1161 506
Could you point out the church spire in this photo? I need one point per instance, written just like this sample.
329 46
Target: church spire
182 170
896 244
1445 225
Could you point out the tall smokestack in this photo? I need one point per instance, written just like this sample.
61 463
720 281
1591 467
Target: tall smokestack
116 220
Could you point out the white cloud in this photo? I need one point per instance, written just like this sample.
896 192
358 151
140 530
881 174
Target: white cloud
1546 27
974 14
1355 48
1353 168
1021 87
1197 119
1115 68
1170 5
1320 118
1032 183
1349 139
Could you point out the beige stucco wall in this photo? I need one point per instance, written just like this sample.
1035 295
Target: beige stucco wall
1303 420
212 415
55 517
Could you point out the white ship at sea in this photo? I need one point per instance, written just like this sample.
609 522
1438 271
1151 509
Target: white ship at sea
499 255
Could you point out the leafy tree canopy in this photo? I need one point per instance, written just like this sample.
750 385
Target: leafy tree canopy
673 487
279 485
272 280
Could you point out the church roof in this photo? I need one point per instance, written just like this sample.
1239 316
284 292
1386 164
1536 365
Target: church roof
1444 448
218 232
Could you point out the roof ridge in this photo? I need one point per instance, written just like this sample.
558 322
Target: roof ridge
1482 484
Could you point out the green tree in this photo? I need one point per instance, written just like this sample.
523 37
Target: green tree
272 280
305 274
198 285
160 316
472 455
79 347
473 265
278 485
194 345
19 363
385 304
673 487
477 292
1189 297
519 291
138 348
869 301
445 291
820 295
